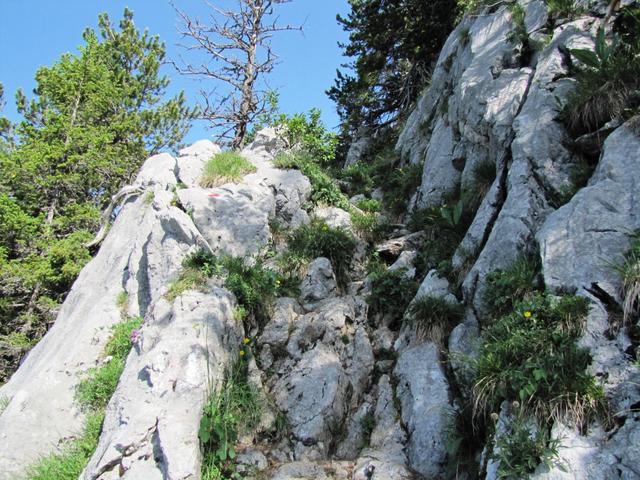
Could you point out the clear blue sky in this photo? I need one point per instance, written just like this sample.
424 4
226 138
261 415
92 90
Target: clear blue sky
36 32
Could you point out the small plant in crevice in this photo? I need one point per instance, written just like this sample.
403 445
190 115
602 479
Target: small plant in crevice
482 177
368 425
629 271
400 185
519 36
189 279
4 403
225 167
391 293
531 355
505 287
608 77
235 408
563 8
370 205
462 440
324 190
317 239
428 313
149 196
523 447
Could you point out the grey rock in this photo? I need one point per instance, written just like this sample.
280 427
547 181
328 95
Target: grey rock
268 141
378 194
358 148
423 392
160 170
392 248
192 159
406 261
334 217
318 284
276 332
156 410
464 342
357 199
251 461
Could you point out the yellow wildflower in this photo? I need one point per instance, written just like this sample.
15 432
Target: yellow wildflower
527 314
242 353
245 340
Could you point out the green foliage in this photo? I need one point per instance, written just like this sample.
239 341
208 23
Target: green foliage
525 446
391 292
307 133
16 339
4 403
365 224
391 58
233 410
505 287
317 239
369 205
225 167
189 279
368 424
531 355
483 176
73 457
427 313
324 189
361 177
402 183
629 271
95 391
94 117
607 78
563 8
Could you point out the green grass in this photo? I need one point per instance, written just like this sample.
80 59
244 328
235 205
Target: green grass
428 313
369 205
629 271
317 239
70 461
4 403
504 287
189 279
531 355
95 391
122 301
233 410
225 167
17 339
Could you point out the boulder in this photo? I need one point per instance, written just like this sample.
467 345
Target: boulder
318 284
192 159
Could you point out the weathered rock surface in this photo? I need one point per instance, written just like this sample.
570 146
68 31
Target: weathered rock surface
192 160
318 284
151 424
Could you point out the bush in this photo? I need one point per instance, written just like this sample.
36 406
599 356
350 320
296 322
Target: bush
225 167
391 293
324 189
233 410
505 287
401 184
370 205
608 80
317 239
531 356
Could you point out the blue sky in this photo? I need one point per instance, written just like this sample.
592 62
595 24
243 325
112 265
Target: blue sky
36 32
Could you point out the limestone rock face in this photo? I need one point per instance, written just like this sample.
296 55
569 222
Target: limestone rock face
151 424
319 283
192 160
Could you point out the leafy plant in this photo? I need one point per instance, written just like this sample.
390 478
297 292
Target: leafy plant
324 189
531 355
505 287
368 424
524 447
391 292
608 79
231 411
563 8
370 205
225 167
317 239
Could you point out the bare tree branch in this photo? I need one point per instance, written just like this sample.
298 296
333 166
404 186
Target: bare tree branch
238 54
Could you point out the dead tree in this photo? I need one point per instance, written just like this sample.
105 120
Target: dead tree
237 56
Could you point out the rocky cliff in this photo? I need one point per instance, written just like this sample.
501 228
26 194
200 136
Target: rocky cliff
350 394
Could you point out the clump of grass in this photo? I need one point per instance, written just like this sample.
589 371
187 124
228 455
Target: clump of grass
629 270
531 356
368 424
70 461
4 403
429 313
504 287
95 391
608 79
122 301
317 239
17 339
149 196
483 175
325 190
233 410
369 205
225 167
391 293
189 279
563 8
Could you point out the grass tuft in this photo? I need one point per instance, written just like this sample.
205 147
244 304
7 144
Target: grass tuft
391 293
225 167
505 287
434 314
629 270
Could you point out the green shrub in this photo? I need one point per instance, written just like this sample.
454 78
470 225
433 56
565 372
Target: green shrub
402 183
324 189
370 205
522 448
483 176
504 288
391 293
73 457
317 239
233 410
17 339
531 355
428 312
608 80
95 391
365 224
225 167
563 8
362 177
368 424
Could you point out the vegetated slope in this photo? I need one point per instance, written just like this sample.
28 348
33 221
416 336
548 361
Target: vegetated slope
278 342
